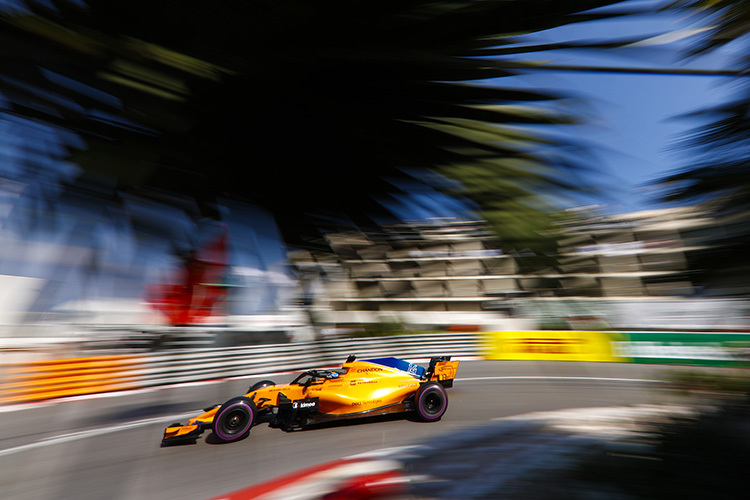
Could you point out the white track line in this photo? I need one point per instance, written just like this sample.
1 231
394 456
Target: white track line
543 377
75 436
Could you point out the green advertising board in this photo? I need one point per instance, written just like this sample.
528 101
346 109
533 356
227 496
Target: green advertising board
683 348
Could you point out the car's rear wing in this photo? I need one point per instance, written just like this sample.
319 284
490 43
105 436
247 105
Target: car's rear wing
441 369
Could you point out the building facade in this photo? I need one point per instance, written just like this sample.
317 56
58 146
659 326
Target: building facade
610 271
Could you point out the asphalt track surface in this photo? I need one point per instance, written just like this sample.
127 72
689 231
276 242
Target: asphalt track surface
109 448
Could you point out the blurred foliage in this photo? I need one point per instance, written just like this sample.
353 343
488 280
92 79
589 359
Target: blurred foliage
734 385
725 21
382 329
717 165
315 111
687 457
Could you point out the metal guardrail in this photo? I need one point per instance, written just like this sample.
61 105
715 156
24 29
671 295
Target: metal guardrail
48 379
205 364
40 380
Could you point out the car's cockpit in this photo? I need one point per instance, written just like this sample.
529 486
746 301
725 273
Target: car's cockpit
311 377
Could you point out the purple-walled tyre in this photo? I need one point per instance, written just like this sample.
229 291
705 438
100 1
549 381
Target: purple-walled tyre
431 401
234 419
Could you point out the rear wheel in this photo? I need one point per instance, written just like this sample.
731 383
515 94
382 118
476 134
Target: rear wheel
260 385
234 419
431 401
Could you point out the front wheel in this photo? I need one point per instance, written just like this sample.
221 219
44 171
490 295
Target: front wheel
234 419
431 401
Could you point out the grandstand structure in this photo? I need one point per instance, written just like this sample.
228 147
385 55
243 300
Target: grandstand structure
451 271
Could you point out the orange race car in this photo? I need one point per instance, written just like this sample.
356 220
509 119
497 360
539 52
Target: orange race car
357 389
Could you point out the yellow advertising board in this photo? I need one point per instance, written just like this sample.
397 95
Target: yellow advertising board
560 345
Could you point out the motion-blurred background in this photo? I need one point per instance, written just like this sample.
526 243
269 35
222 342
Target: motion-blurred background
247 167
185 182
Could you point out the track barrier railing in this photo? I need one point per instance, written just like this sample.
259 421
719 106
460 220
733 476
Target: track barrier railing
57 378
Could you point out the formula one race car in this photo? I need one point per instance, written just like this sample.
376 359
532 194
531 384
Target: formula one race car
357 389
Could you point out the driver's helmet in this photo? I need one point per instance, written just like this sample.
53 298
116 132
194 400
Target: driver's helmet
332 375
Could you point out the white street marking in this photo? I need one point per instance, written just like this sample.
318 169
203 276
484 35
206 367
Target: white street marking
75 436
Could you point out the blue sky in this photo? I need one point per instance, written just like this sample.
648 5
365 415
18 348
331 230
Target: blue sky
632 118
637 129
631 121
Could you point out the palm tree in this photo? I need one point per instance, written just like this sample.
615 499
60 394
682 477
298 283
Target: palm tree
314 110
717 171
718 151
